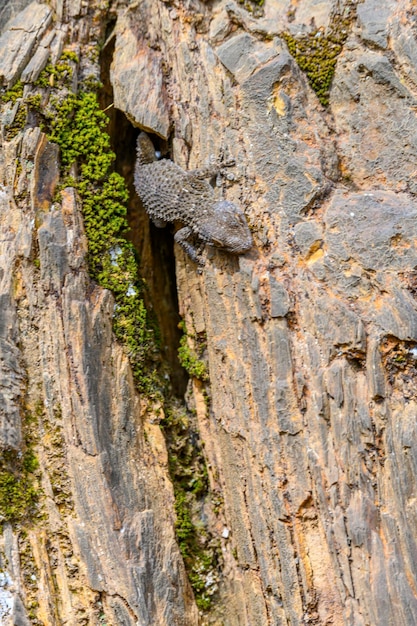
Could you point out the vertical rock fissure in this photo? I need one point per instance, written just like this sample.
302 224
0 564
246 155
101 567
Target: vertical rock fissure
154 246
177 366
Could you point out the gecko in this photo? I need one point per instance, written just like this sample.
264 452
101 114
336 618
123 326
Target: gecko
171 194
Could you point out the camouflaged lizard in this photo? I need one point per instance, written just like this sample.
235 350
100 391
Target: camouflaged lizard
170 194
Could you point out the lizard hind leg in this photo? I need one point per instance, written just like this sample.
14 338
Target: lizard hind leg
158 222
182 238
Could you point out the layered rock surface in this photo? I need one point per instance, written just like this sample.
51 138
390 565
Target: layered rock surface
310 433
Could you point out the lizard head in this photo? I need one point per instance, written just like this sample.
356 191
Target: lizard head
228 228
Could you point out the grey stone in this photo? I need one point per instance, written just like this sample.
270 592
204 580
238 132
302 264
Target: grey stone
90 559
397 315
278 153
12 380
52 251
280 301
39 59
382 71
310 15
340 329
20 617
373 20
375 370
398 585
378 229
58 42
362 520
288 161
243 54
220 27
20 39
404 44
308 236
12 374
374 119
137 78
9 9
333 378
45 174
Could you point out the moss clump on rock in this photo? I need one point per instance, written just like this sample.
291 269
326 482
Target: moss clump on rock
14 93
23 108
189 475
19 494
193 365
253 6
19 486
316 52
78 125
58 74
18 123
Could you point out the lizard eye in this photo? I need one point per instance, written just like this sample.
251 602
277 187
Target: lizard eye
240 219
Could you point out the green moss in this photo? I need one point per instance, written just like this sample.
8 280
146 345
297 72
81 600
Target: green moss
60 74
91 83
195 367
79 127
14 93
77 124
316 53
30 575
34 101
69 55
18 123
188 473
184 527
200 558
19 493
186 460
253 6
200 579
19 489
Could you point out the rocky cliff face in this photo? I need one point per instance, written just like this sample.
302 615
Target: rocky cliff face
304 431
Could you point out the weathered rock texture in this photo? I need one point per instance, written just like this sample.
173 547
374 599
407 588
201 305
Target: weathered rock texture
310 434
105 552
108 536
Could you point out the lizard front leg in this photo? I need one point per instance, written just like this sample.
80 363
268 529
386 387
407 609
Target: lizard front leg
182 237
209 171
214 168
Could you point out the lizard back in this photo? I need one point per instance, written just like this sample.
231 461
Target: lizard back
168 192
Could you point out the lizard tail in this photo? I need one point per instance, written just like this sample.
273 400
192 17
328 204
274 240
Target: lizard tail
145 149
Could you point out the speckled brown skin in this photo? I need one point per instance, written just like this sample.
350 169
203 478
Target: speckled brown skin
170 194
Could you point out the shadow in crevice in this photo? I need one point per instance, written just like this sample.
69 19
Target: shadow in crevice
154 246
